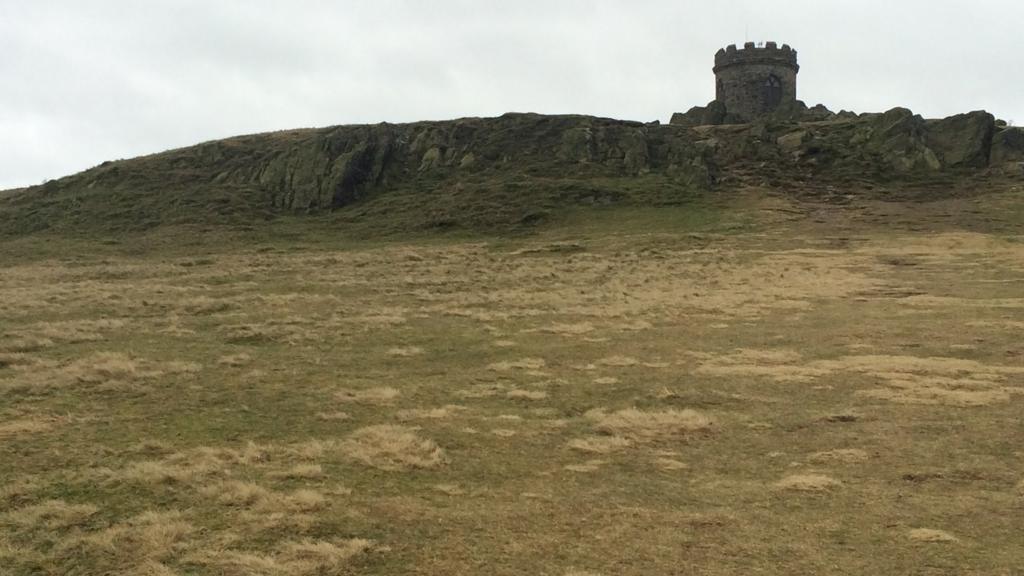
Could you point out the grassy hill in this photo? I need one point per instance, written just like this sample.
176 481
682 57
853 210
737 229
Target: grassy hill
508 173
561 346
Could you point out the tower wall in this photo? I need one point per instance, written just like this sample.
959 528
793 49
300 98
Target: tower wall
754 81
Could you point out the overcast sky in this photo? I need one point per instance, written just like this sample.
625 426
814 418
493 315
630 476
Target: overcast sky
85 81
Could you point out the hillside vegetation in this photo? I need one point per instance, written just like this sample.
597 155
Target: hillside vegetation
515 171
554 346
782 385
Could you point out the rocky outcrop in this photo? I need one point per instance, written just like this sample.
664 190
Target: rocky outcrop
962 141
714 114
333 170
529 161
1008 150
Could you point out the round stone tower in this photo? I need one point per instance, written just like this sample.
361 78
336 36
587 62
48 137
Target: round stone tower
755 80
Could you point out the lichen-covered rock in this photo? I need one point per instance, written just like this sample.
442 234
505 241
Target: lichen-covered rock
332 170
962 141
793 141
578 145
692 117
714 114
897 136
509 169
636 156
1007 146
432 158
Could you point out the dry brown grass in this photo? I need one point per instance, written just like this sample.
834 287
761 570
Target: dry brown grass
52 515
439 413
243 494
519 394
16 360
670 464
618 361
101 371
35 424
112 367
908 379
450 489
43 335
521 364
377 395
808 483
190 467
20 490
599 444
779 365
931 535
148 538
807 360
235 360
643 425
570 329
405 351
300 472
335 416
481 391
390 447
842 456
298 558
931 395
586 467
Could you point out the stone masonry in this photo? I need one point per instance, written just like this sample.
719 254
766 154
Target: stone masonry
755 80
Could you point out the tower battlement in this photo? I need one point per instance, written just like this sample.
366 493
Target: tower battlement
755 80
769 53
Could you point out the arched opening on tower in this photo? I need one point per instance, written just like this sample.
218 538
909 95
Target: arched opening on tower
772 92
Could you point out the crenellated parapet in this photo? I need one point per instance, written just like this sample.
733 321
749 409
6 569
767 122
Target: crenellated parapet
768 53
756 80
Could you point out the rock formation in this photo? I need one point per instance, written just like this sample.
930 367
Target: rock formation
515 168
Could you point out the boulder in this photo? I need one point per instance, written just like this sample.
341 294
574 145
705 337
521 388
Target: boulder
578 145
432 158
793 141
636 155
1008 151
897 137
1007 146
817 113
714 114
690 118
962 141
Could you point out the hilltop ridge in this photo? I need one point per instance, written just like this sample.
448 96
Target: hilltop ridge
509 171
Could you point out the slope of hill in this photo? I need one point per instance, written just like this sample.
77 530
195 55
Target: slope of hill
720 350
505 172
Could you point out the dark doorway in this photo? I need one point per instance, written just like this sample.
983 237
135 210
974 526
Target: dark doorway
772 92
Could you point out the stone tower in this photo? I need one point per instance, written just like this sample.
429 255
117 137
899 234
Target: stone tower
755 80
